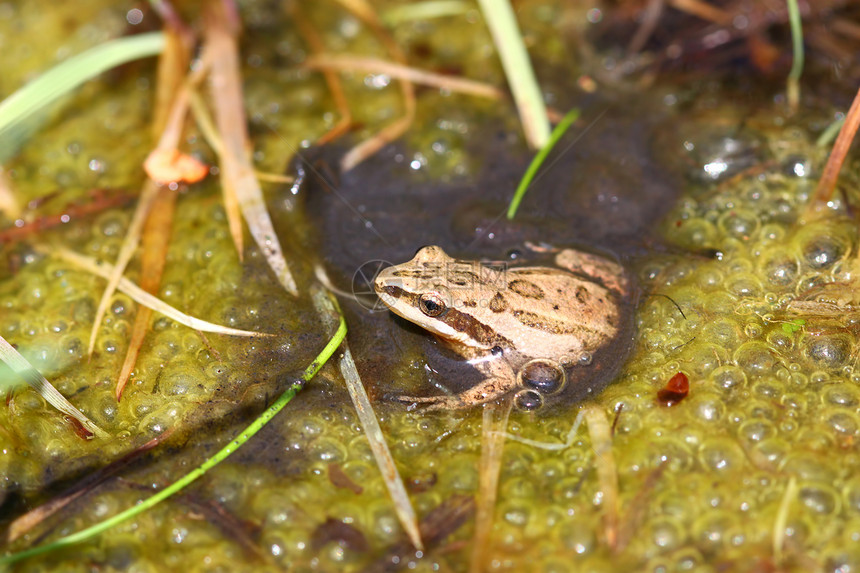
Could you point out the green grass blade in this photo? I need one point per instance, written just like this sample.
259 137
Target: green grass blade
829 134
176 486
71 73
557 133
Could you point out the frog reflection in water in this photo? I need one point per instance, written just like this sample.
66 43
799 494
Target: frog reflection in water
522 328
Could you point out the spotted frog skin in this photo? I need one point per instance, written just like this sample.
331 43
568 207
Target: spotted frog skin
523 328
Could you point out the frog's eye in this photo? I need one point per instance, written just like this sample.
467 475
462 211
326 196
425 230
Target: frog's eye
431 304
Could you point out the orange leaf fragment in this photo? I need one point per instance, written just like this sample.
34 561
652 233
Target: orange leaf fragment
675 390
171 165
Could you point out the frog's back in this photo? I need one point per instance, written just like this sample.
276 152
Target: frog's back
547 312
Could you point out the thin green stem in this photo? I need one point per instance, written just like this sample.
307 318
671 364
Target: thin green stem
793 84
219 457
554 137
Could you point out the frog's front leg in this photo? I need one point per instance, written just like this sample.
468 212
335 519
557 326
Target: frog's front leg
500 379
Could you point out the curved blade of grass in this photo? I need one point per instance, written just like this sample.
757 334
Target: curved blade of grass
503 26
384 460
793 84
71 73
556 135
34 378
210 463
140 296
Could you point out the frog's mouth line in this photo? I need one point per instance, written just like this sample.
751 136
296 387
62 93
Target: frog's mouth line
390 295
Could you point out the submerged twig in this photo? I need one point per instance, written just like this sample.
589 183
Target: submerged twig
34 378
439 523
159 219
156 239
102 199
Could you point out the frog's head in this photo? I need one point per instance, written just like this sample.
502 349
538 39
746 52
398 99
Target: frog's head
419 291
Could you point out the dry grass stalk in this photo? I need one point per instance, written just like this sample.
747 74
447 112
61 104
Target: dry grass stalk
607 473
142 297
381 453
703 10
401 72
502 23
782 519
171 69
495 421
148 194
20 366
649 19
238 179
827 183
392 131
8 204
155 241
332 80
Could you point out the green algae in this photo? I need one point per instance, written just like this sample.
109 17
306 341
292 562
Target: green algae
773 395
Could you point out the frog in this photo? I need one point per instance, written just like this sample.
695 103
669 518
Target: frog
526 329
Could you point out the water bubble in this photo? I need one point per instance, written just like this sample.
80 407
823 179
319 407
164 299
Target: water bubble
729 377
829 352
755 357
